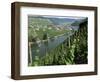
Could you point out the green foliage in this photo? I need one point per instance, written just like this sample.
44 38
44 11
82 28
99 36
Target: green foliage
38 27
72 51
50 32
76 23
38 22
81 51
61 55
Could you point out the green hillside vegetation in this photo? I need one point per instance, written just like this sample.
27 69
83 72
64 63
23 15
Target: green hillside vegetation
38 22
76 23
71 51
38 28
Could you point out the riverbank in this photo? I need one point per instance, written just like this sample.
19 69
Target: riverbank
39 41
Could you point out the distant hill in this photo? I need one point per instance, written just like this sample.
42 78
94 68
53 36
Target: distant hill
76 23
56 21
65 23
38 22
61 21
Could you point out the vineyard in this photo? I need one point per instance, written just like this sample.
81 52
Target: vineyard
50 43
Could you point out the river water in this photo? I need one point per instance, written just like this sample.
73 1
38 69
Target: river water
41 48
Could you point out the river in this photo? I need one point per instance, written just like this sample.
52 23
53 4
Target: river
41 48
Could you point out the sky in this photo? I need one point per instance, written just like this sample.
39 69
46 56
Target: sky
67 17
